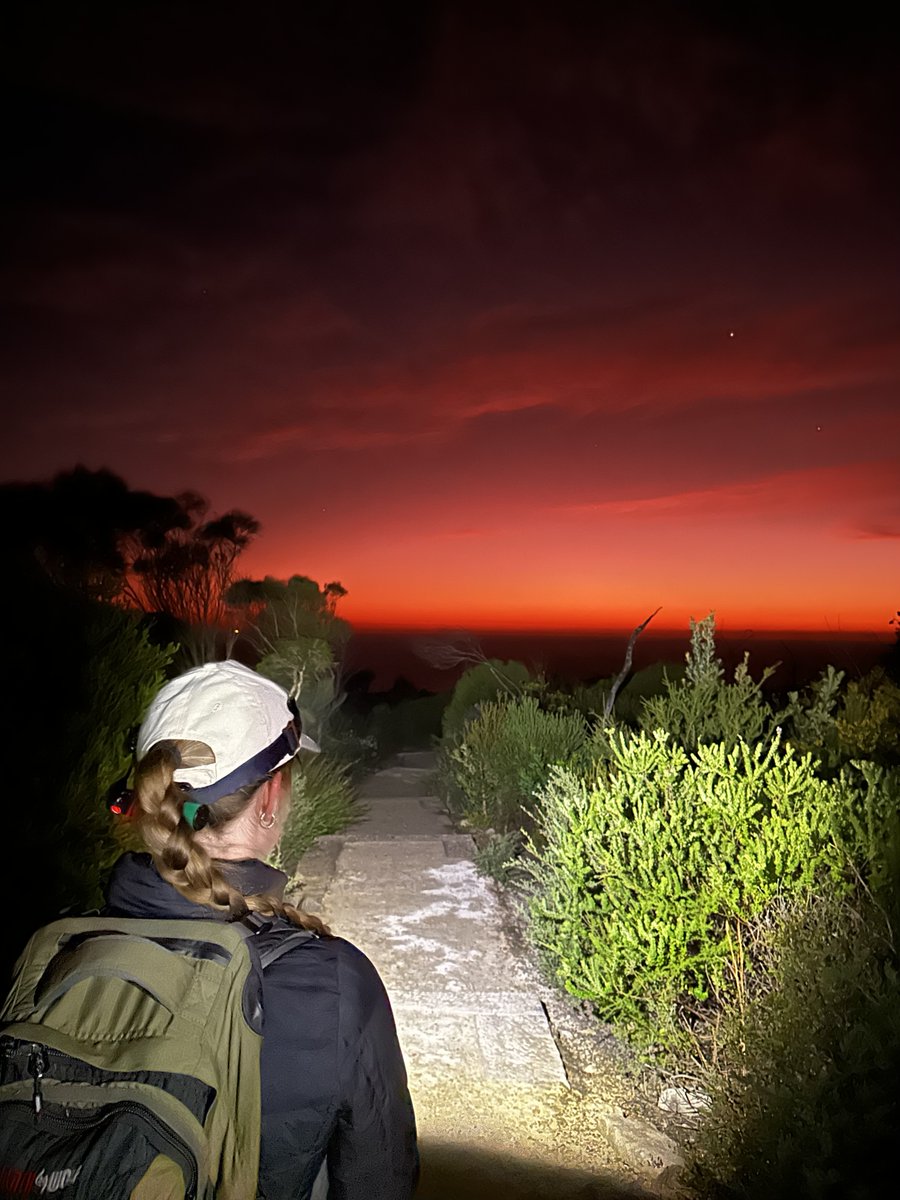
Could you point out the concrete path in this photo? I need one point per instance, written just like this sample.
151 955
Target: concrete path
496 1110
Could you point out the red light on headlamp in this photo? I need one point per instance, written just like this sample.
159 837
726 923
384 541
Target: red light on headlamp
120 800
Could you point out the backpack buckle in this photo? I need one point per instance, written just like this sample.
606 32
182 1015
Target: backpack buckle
257 923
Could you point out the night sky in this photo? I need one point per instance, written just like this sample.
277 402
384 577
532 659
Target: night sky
535 315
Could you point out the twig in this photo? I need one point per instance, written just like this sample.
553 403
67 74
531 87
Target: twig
626 667
451 651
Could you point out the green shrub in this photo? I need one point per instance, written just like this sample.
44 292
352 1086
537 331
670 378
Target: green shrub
865 823
585 698
487 680
868 724
808 716
85 672
650 681
497 856
323 801
306 668
491 774
348 741
804 1098
645 876
702 706
413 724
803 1094
121 673
840 723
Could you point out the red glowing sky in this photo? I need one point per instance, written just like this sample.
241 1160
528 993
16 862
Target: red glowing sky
504 320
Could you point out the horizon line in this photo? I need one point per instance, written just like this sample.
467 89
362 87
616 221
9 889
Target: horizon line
887 635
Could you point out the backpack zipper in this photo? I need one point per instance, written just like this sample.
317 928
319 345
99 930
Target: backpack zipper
70 1122
38 1063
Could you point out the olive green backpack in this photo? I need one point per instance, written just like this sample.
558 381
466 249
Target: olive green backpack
129 1059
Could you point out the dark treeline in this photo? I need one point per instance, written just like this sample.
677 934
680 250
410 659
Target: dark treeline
87 640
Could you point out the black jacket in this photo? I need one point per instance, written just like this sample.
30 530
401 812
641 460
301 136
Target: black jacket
333 1079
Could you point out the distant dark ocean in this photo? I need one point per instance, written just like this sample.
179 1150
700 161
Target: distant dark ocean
574 657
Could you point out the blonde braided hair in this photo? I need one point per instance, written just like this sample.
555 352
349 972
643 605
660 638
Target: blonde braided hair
178 855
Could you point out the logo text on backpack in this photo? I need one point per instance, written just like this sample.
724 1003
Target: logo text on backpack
45 1184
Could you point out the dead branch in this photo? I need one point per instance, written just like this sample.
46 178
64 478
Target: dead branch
626 667
451 651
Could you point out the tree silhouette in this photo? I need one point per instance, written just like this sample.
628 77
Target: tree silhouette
272 610
88 532
84 671
295 627
187 571
82 528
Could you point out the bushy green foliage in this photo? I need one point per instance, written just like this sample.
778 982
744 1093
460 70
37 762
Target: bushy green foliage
804 1097
121 674
295 627
709 881
585 698
808 718
703 706
84 673
645 875
504 754
868 725
865 823
487 680
306 668
323 801
840 723
497 855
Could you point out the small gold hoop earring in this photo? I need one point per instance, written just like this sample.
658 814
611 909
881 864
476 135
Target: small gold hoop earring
267 820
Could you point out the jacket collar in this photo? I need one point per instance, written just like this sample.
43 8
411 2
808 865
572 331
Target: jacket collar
135 888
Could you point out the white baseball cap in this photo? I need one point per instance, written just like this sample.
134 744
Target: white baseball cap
249 723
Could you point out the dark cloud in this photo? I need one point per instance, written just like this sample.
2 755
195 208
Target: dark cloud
502 257
878 533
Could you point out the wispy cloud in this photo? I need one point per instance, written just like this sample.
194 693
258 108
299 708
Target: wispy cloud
877 533
827 493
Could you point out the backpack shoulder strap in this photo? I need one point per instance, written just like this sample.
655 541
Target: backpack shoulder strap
276 949
269 938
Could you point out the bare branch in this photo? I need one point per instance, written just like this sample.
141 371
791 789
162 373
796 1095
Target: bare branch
626 667
449 652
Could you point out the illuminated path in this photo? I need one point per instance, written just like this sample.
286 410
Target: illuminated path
496 1114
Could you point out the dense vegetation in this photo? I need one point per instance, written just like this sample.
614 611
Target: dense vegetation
713 868
716 870
81 672
110 590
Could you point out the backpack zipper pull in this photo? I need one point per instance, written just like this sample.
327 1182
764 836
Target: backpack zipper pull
37 1066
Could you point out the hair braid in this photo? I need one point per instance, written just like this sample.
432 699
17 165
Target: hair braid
271 906
179 857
